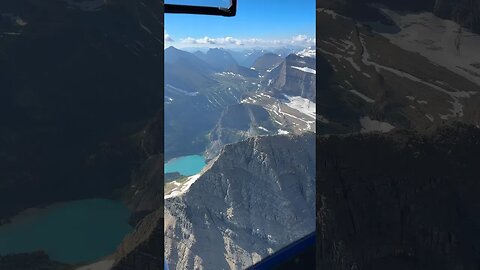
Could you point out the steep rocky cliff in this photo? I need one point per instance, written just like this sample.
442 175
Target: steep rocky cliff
267 62
399 201
237 123
143 248
295 76
255 198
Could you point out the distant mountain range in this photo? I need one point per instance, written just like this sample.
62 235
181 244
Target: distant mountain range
200 86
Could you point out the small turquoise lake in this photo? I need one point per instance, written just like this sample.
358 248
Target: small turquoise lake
70 232
186 165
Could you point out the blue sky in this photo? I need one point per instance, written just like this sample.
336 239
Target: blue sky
259 23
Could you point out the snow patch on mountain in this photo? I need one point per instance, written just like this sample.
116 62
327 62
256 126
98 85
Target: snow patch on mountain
302 105
362 96
182 187
305 69
457 106
264 129
180 91
443 42
308 52
370 125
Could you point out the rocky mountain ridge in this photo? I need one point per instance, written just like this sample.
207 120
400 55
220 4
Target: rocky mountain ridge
198 90
372 83
295 76
237 123
240 207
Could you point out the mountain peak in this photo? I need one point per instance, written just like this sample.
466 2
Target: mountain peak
171 48
234 203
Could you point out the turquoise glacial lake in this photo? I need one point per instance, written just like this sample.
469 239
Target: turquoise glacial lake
70 232
186 165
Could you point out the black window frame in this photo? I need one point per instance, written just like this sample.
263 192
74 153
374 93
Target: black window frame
201 10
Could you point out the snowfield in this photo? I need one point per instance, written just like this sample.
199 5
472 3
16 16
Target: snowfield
183 187
308 52
264 129
305 69
443 42
180 91
370 125
457 106
302 105
362 96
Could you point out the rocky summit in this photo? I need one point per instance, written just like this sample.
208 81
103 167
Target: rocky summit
241 206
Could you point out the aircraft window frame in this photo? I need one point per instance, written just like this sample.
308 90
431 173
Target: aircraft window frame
202 10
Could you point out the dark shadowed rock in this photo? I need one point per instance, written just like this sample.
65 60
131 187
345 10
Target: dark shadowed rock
31 261
399 200
143 248
77 88
267 62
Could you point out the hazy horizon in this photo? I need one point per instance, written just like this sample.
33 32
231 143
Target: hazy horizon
264 24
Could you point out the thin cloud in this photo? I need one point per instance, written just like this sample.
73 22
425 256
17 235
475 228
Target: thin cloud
298 40
167 37
301 38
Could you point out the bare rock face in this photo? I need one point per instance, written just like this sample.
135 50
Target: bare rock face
295 77
237 123
142 249
254 198
267 62
399 201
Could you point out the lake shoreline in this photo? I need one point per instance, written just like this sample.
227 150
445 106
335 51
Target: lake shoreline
185 165
68 231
